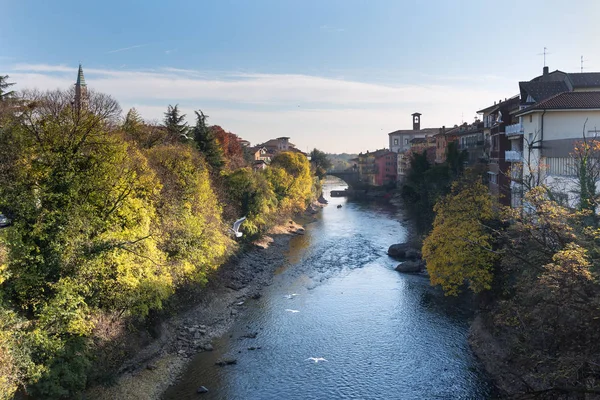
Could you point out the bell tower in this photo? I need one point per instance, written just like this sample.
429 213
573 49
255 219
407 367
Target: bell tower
416 117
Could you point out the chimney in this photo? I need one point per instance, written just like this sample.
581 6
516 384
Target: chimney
546 70
416 121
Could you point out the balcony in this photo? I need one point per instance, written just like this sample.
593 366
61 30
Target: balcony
514 129
513 156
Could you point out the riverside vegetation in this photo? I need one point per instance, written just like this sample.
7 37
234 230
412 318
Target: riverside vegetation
110 217
533 268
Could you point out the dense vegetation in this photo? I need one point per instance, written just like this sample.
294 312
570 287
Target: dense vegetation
534 268
110 217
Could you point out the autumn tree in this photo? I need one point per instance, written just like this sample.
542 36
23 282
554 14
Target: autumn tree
230 146
459 249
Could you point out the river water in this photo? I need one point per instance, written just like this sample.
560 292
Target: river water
385 335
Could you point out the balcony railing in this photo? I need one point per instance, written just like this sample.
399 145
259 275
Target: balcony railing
515 129
513 156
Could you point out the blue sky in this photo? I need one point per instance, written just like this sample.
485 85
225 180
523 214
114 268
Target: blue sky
337 75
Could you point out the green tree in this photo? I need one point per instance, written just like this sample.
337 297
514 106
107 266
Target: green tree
320 161
252 195
207 142
5 94
83 237
175 122
459 248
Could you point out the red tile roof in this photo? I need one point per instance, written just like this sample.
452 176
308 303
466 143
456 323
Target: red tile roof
567 101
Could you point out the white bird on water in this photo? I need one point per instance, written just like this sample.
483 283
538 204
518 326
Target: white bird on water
236 227
315 359
290 296
292 311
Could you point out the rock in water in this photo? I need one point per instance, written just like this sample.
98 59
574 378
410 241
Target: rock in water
202 389
404 251
226 361
411 266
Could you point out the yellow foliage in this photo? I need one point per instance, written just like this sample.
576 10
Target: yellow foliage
458 248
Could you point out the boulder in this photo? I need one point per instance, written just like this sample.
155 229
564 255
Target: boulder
412 254
403 251
202 389
413 266
208 347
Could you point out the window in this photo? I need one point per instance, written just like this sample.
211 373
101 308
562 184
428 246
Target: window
406 141
561 166
493 178
395 141
530 118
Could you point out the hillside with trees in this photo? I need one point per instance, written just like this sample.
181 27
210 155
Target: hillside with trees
110 217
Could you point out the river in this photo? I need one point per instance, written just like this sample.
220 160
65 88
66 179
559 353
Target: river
385 335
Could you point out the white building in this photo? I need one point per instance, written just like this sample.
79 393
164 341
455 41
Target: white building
551 128
400 141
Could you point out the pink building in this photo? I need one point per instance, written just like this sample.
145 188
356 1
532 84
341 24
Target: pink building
386 163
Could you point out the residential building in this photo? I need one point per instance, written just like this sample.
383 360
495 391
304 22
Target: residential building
471 138
400 142
501 156
366 168
442 139
546 131
385 167
261 153
551 129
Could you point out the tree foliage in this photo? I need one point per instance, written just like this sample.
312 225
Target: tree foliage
175 123
5 94
109 218
207 142
320 161
458 249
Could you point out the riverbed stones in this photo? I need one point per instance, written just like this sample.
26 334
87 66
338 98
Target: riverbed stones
226 361
208 347
411 266
202 389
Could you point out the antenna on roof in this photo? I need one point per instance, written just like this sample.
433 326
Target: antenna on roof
545 53
582 60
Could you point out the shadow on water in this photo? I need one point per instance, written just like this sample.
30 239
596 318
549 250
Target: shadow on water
384 335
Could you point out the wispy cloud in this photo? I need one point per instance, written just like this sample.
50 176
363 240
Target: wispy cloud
137 46
313 109
170 51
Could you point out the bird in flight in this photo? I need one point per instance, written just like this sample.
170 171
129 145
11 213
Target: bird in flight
292 311
236 227
315 359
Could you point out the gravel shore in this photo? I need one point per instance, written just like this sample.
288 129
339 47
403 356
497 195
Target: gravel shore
148 375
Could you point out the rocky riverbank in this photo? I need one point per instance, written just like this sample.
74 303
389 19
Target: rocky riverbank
215 307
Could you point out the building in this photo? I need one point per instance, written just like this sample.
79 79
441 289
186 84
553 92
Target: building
81 93
551 129
276 146
366 168
386 171
543 138
501 156
400 142
260 153
472 140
